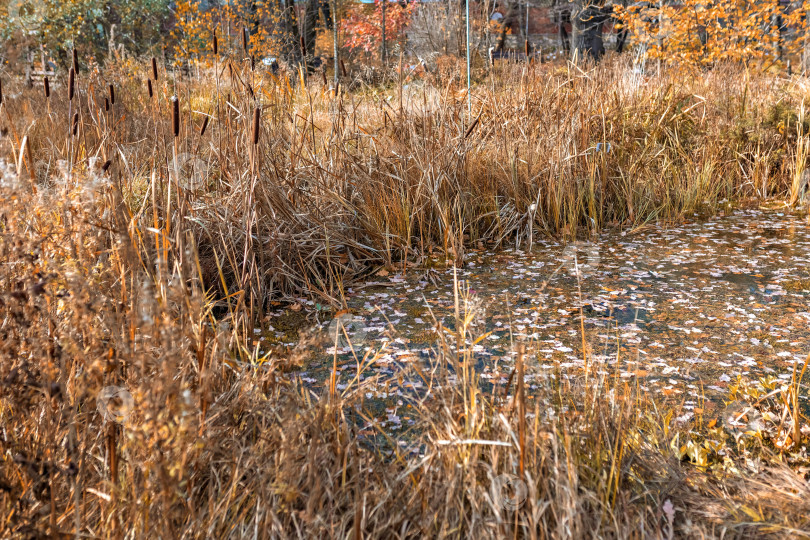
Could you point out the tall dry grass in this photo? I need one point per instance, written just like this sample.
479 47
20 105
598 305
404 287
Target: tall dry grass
123 266
338 184
217 445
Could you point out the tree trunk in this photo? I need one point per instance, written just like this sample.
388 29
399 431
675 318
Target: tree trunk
384 53
310 22
586 24
806 45
290 40
511 13
561 16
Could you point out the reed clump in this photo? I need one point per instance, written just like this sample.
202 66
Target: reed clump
129 409
351 181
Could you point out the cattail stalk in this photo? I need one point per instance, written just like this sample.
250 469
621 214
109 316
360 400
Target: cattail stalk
175 116
254 154
257 113
472 127
71 83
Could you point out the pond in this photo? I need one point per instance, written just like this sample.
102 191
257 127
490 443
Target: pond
681 310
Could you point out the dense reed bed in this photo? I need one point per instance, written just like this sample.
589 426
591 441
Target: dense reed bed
215 444
140 241
339 182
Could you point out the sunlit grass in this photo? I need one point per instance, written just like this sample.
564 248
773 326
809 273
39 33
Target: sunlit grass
130 276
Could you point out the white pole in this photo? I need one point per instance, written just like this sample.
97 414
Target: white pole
527 19
469 98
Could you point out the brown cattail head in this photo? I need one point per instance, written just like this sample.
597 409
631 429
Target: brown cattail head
528 48
1 91
257 113
75 61
154 69
205 125
472 127
75 129
71 83
252 63
216 44
343 67
244 40
106 104
323 75
112 95
303 46
149 87
47 84
175 116
106 165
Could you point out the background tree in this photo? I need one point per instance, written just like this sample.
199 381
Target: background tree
91 26
362 25
587 24
700 33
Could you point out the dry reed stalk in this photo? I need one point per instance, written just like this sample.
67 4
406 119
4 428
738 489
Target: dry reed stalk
521 405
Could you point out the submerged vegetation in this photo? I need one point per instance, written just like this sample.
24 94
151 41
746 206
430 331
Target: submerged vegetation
145 231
